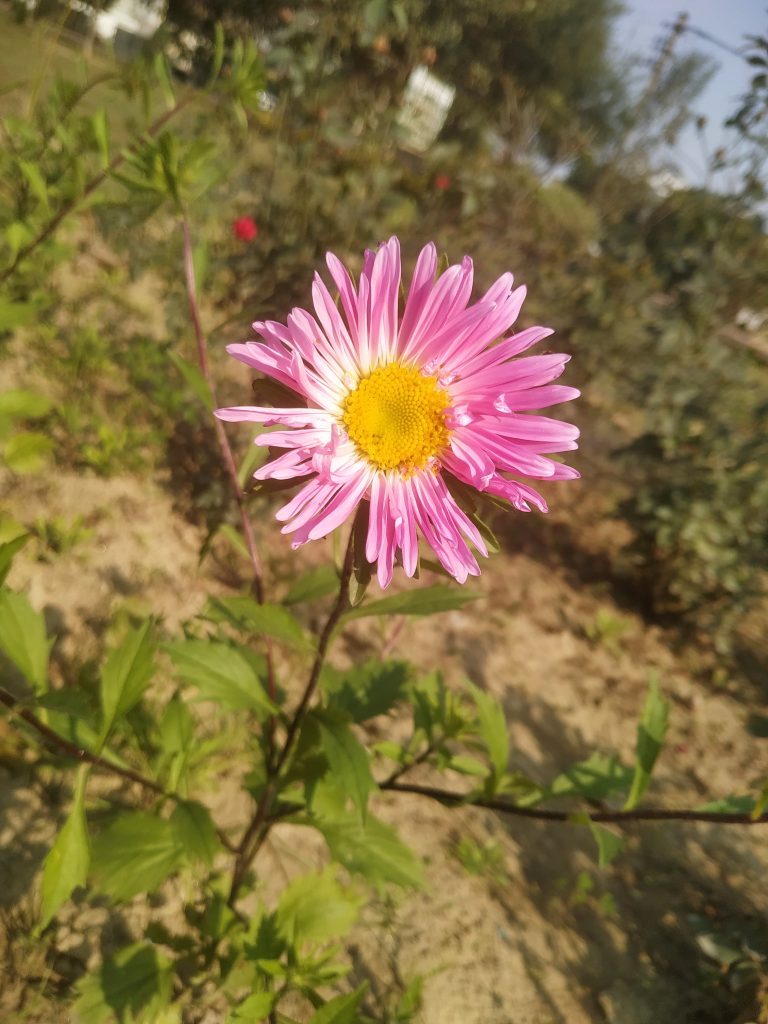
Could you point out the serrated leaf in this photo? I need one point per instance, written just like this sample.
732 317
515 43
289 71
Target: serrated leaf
27 452
134 985
312 585
251 617
194 379
67 863
24 405
348 761
7 552
195 831
493 728
253 1010
315 908
135 854
426 601
341 1009
126 675
23 639
373 850
650 737
221 674
366 690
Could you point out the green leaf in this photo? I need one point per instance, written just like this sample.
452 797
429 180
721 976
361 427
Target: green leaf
249 617
23 639
100 129
466 765
126 675
28 452
596 778
366 690
135 854
348 760
132 986
194 379
730 805
315 908
24 405
650 737
67 863
221 674
317 583
14 314
7 552
35 180
493 728
373 850
426 601
253 1010
608 843
341 1009
195 831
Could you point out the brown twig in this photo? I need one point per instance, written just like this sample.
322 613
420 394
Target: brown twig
231 468
261 822
61 743
452 799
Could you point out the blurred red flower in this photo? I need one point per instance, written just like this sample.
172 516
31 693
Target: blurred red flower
442 181
245 228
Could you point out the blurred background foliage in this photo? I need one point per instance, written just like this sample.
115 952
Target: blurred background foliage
550 163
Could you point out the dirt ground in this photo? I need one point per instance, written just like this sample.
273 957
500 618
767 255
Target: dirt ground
547 938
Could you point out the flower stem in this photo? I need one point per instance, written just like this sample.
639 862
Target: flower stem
261 822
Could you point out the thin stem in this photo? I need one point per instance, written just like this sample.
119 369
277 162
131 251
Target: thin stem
95 182
231 468
58 742
616 817
261 822
399 772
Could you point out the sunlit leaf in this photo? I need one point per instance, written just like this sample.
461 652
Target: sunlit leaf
650 737
68 860
426 601
23 638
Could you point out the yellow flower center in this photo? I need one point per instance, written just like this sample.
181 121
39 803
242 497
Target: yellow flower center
396 417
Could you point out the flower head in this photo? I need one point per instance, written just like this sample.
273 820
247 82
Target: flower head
403 412
245 228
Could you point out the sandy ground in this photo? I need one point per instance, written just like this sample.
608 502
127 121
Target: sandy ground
527 945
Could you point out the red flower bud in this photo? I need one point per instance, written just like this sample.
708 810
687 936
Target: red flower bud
442 182
245 228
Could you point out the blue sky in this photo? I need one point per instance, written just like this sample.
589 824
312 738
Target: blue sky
727 20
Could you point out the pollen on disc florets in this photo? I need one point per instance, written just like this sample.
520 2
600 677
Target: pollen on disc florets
397 417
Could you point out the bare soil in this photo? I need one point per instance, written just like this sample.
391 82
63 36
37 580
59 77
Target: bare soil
546 937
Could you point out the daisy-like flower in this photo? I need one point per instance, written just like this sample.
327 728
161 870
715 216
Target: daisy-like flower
394 410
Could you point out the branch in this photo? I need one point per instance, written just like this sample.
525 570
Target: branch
452 799
58 742
231 468
91 186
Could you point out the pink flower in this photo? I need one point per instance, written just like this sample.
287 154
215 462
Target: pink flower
245 228
393 410
442 182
